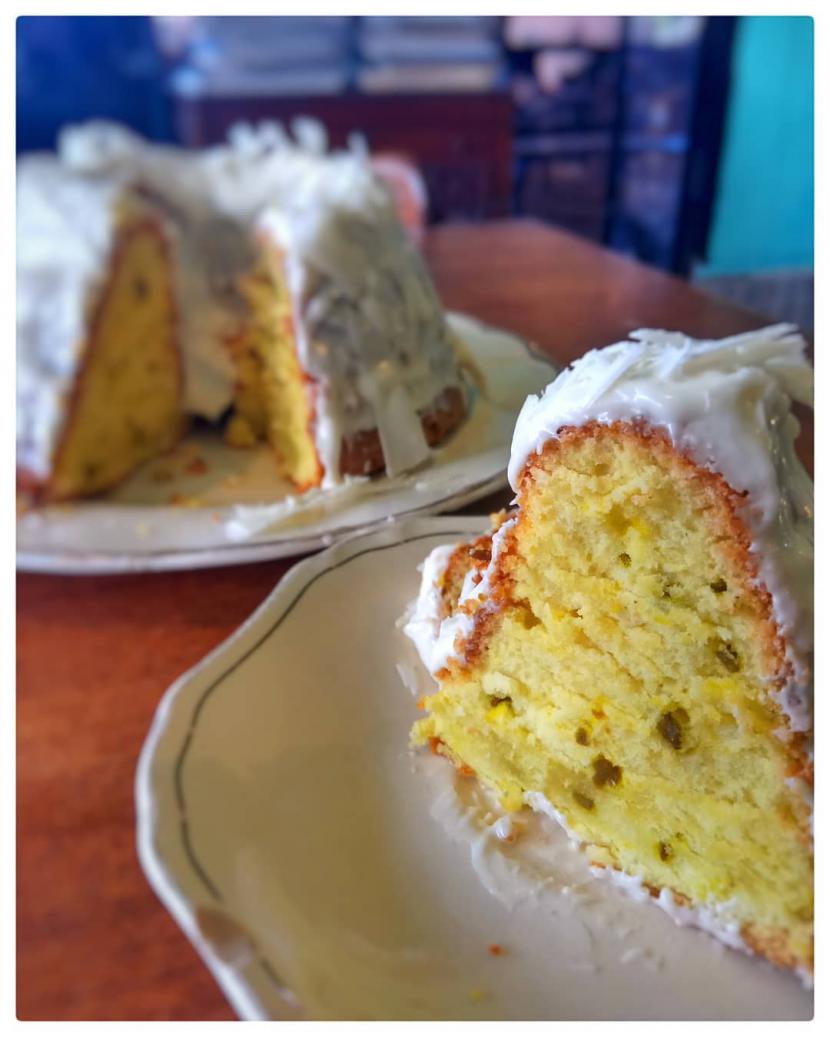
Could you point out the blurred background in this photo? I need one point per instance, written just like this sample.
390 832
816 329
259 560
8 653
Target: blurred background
685 142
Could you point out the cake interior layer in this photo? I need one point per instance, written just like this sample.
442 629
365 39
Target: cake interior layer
273 399
628 680
126 405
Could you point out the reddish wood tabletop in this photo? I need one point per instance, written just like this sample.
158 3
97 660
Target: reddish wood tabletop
95 654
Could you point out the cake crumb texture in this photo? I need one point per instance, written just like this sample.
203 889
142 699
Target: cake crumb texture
624 664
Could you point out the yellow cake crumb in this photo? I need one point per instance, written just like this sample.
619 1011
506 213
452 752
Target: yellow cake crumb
626 676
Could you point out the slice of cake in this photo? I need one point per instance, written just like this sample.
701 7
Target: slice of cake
630 650
266 285
355 363
100 382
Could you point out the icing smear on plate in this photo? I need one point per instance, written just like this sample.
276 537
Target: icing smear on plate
526 857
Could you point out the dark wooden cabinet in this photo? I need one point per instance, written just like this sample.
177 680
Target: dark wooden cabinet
461 143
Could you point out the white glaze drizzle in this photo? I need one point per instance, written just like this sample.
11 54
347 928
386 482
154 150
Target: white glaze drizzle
440 641
423 624
372 334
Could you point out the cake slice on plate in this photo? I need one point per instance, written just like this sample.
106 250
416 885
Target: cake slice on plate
630 650
100 373
265 284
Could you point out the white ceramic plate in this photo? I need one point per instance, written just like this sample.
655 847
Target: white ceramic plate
219 516
323 870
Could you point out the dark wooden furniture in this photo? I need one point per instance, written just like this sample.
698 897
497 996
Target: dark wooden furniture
462 143
96 653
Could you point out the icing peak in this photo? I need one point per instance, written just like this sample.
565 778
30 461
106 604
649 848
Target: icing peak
669 380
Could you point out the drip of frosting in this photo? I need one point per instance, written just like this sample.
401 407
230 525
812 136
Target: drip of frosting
727 404
440 641
370 327
432 638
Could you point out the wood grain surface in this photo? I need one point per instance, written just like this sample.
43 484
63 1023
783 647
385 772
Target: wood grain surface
95 654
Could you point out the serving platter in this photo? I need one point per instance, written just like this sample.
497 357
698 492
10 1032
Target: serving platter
324 870
207 504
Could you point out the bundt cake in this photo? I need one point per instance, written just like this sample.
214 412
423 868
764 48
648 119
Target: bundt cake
266 284
629 650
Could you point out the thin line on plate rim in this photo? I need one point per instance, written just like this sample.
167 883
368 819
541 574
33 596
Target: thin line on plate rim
178 770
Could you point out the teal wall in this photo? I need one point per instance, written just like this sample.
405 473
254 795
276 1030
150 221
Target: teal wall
763 217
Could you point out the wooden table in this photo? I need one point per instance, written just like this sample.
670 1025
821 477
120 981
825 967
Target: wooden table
95 655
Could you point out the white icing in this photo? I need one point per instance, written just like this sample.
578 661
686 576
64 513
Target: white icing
714 918
440 641
63 241
542 805
370 329
727 404
423 627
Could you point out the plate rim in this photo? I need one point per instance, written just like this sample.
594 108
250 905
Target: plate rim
68 562
246 986
92 564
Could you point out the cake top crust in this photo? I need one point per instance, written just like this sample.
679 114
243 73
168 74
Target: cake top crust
687 386
256 167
